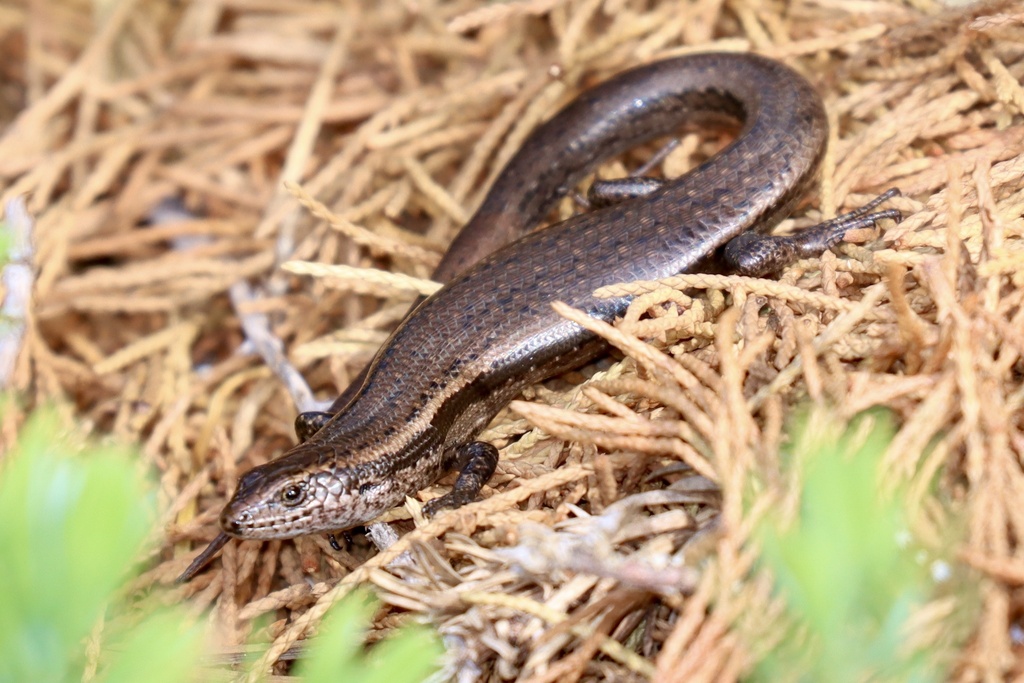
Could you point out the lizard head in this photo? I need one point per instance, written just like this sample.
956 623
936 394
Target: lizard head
284 499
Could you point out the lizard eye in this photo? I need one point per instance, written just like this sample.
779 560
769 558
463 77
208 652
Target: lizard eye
293 495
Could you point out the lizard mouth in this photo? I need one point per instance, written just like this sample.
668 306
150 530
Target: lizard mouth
245 524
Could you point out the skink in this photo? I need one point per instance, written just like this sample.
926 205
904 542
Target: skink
466 351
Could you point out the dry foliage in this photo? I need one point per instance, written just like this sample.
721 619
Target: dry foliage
303 134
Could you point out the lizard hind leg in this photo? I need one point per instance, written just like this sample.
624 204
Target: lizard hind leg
756 255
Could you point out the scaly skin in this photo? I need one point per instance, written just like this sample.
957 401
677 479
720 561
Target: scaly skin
475 344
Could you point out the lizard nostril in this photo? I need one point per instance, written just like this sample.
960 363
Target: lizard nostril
233 524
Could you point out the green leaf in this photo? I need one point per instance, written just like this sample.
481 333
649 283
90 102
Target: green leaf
409 656
158 650
6 241
75 518
339 643
73 523
847 569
